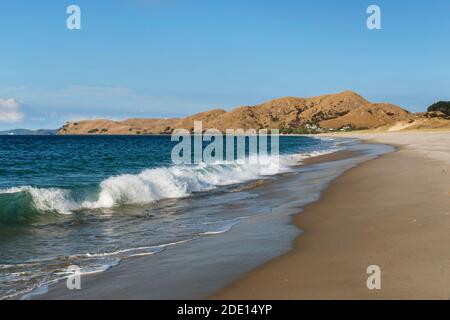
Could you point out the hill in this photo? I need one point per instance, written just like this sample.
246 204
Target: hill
343 111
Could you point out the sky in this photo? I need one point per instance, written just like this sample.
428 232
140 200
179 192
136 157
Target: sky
172 58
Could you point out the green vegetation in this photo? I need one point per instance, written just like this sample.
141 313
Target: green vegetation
442 106
167 130
93 130
314 129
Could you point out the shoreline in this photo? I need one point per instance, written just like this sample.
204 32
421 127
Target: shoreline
338 234
377 213
204 266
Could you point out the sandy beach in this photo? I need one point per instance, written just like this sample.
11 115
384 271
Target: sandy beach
209 152
201 267
393 212
318 231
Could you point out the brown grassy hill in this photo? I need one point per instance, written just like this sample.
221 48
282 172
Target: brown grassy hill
346 110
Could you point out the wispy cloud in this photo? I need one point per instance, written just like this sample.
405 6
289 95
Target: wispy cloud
108 101
10 111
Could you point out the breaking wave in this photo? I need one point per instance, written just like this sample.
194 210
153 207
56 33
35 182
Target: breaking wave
151 185
21 203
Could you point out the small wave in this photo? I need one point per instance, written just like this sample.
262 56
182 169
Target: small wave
302 156
49 272
132 252
90 263
23 203
225 227
51 199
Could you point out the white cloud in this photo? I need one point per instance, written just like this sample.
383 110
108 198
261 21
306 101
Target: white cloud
10 110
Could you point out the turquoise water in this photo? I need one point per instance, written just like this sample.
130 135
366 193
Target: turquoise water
93 201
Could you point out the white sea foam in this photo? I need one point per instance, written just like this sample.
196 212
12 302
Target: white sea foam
178 181
161 183
302 156
225 226
47 199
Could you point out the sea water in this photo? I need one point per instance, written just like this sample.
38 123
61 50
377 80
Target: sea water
93 201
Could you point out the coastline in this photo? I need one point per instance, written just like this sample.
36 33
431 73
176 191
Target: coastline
392 211
199 268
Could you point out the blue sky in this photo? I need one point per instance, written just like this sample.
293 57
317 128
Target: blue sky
166 58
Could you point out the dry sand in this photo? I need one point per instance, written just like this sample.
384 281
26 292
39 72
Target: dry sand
435 145
393 212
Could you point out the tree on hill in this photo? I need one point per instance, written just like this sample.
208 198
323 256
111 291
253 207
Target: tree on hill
442 106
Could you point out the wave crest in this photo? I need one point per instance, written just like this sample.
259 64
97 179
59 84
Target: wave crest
178 181
146 187
21 203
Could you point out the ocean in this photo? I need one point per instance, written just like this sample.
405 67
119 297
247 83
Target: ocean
96 201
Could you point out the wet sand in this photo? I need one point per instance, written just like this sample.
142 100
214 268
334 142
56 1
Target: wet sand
393 212
329 157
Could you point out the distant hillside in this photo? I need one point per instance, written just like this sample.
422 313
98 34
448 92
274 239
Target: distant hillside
343 111
25 132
